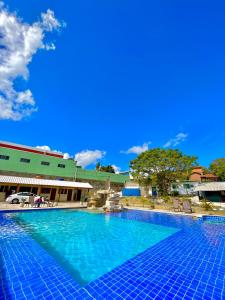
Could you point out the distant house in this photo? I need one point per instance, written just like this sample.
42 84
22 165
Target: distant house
212 191
184 188
198 175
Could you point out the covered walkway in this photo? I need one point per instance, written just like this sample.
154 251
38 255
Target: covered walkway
59 190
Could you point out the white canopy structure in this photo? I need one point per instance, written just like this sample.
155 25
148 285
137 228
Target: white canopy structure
210 187
43 182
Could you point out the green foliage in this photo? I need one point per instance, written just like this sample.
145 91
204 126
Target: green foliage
206 205
161 167
152 205
108 168
166 198
137 201
175 193
217 167
206 170
98 166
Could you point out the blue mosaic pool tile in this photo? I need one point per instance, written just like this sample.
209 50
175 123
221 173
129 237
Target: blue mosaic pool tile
187 265
28 272
214 218
184 265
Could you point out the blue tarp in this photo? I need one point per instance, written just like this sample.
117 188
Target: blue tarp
131 192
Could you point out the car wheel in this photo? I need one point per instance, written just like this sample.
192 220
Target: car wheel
15 201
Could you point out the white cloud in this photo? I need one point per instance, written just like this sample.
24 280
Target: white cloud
66 156
89 157
179 138
46 148
137 149
116 169
50 46
19 42
49 21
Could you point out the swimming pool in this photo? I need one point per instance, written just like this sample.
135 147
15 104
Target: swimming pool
89 245
68 254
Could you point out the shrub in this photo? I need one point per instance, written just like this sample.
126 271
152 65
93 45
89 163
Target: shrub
175 193
206 205
152 205
166 198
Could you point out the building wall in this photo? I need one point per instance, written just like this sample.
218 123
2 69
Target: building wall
2 196
198 175
195 177
198 170
102 185
34 168
70 172
184 188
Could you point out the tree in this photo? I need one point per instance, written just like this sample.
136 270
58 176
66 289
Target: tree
98 166
206 170
161 167
108 168
217 167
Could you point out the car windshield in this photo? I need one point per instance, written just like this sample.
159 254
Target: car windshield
23 194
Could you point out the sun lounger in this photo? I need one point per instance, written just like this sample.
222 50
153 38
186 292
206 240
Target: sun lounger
176 205
187 207
51 203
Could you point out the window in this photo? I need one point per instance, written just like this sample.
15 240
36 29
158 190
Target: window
5 157
25 160
12 188
63 191
187 186
61 166
25 189
34 190
45 163
25 194
3 188
45 191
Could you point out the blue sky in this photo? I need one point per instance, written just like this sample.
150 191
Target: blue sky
123 74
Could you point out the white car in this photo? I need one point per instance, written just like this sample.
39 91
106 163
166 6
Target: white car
19 197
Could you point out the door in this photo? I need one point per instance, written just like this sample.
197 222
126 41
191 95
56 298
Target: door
52 195
69 195
78 195
34 190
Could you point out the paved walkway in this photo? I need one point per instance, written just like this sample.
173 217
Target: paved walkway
8 206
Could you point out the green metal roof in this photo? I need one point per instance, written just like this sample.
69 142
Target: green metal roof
35 167
101 176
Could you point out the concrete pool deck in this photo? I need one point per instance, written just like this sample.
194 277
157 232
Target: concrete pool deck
8 206
77 205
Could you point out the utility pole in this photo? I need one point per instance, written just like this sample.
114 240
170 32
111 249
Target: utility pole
75 173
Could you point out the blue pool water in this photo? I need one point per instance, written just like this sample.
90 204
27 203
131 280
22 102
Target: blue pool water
89 245
36 262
